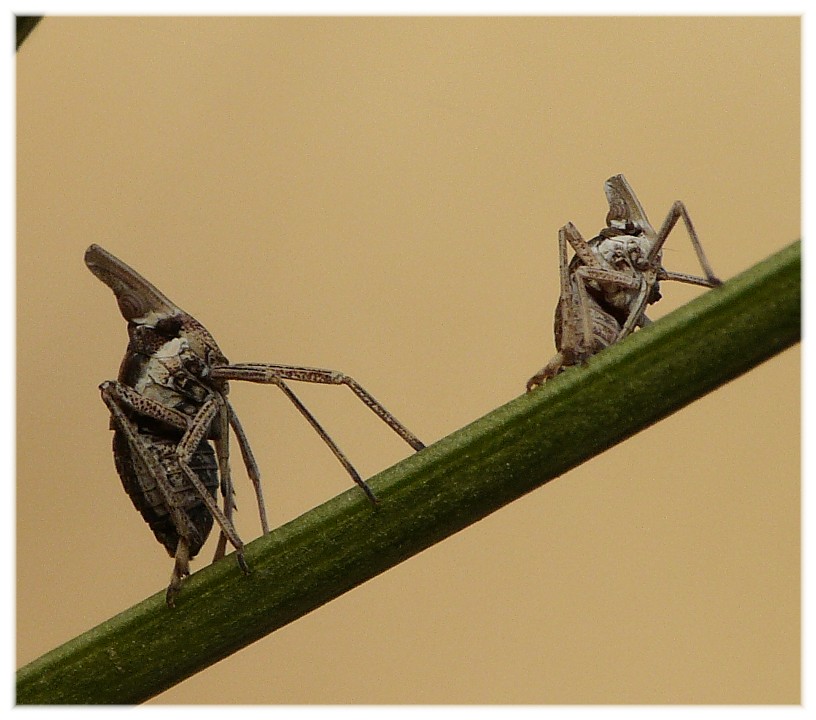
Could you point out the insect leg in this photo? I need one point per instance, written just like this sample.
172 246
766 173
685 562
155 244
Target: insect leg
253 470
338 453
198 430
565 320
278 374
114 394
227 491
181 569
685 278
127 397
570 343
271 374
595 269
643 284
678 210
636 313
582 248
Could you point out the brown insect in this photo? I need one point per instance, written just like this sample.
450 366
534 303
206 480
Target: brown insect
169 407
612 277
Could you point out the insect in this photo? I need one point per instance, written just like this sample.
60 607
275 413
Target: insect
611 279
172 418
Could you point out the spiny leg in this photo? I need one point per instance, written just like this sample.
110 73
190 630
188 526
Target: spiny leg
181 569
606 278
227 491
582 248
249 461
112 395
378 409
565 318
597 270
115 393
636 311
573 310
198 430
277 374
597 273
254 473
127 397
574 302
222 452
272 373
678 210
338 453
686 278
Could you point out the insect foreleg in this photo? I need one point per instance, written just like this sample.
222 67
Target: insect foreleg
112 394
636 313
278 374
273 378
565 331
582 248
381 412
127 397
574 347
566 308
606 278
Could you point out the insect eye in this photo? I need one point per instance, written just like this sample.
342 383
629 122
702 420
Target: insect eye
169 327
194 365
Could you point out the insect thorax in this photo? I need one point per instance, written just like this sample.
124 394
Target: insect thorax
627 252
161 364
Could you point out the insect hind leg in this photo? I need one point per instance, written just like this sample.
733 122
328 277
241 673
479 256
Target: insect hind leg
181 570
677 211
197 431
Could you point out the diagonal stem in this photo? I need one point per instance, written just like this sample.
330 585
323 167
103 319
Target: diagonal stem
431 495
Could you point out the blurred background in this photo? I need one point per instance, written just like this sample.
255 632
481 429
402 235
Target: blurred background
382 196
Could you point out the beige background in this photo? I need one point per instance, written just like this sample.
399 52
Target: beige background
382 197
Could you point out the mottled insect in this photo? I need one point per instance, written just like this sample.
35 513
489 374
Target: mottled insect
611 279
169 407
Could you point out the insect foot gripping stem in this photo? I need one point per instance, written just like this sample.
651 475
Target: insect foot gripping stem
612 277
172 420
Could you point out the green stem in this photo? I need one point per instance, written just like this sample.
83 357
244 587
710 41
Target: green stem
427 497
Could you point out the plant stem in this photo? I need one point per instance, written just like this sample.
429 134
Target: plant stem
431 495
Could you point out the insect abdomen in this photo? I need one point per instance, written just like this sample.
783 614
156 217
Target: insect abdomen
605 328
148 499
